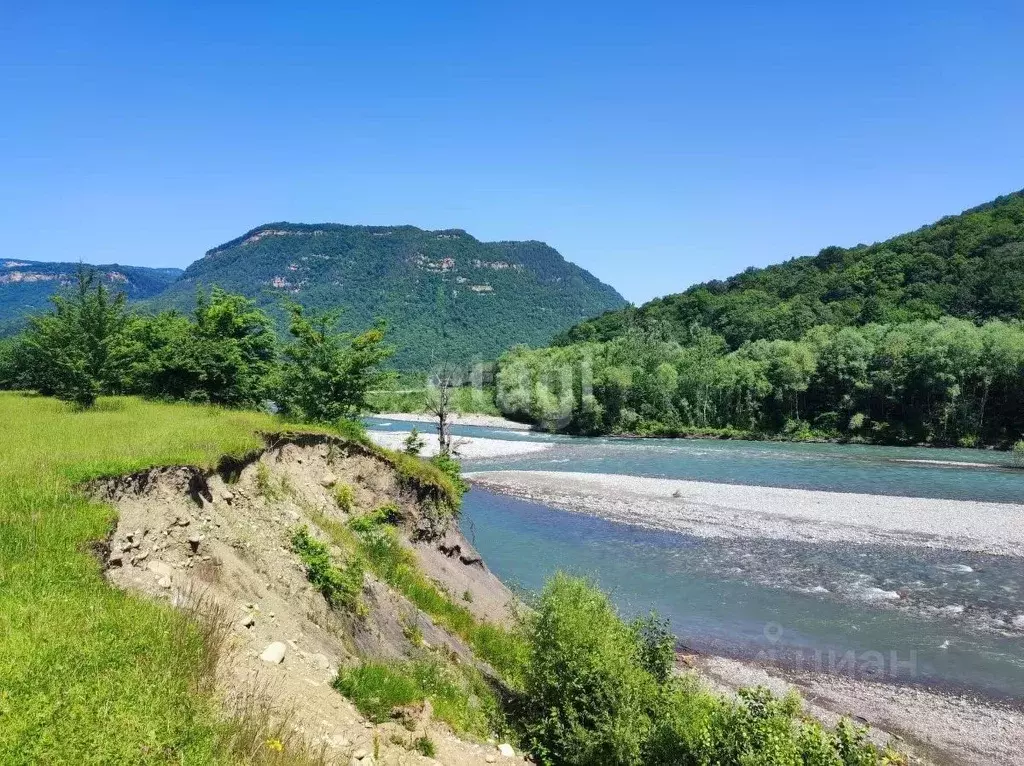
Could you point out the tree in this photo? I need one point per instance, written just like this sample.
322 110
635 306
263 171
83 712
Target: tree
326 375
413 444
226 354
12 363
440 392
72 352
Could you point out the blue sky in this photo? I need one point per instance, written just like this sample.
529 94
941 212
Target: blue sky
656 144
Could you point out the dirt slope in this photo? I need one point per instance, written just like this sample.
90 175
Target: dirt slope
221 540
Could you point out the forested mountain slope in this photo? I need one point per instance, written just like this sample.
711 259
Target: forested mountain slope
916 339
26 286
969 265
443 293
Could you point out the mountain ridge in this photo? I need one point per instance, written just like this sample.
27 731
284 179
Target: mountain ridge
968 265
446 295
26 286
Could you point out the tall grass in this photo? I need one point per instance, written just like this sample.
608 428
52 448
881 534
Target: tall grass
88 673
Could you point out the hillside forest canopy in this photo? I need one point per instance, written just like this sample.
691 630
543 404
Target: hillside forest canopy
914 340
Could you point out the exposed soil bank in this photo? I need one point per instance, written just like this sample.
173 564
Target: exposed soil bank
729 510
220 544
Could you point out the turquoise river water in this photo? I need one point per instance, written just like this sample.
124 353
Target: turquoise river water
804 605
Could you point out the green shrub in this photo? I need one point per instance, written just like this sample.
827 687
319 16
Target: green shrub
657 647
344 496
352 430
413 443
377 688
341 587
425 746
1018 454
598 690
588 697
386 514
450 467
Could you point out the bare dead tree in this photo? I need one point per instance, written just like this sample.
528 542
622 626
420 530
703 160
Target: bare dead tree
440 393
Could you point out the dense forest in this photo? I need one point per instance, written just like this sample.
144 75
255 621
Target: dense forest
445 295
969 265
916 339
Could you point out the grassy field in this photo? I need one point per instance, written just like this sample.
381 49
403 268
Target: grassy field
90 674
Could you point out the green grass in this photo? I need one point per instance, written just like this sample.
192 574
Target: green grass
340 586
374 539
90 674
459 695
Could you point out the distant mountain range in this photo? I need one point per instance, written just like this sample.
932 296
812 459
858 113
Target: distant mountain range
444 294
26 286
969 265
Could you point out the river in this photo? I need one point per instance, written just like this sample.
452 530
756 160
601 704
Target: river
906 614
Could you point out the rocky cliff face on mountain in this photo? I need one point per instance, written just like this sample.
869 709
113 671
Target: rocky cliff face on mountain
26 286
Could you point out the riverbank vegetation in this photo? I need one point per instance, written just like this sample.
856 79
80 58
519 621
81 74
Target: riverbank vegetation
946 382
466 400
600 690
915 339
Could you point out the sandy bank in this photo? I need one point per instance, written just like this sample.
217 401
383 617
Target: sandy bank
484 421
729 510
466 447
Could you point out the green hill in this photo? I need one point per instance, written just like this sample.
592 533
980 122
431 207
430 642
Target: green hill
26 286
915 339
969 265
443 293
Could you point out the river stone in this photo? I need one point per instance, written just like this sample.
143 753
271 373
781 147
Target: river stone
274 653
328 480
360 754
506 750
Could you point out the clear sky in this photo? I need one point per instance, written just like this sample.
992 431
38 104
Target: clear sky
656 144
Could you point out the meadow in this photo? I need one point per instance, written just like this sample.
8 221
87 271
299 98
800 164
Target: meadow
88 673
